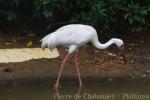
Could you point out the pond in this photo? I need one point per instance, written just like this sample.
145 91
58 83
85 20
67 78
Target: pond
92 90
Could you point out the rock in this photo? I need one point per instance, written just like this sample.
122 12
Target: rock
25 54
142 41
7 43
97 59
131 44
95 51
148 71
144 75
130 48
111 54
110 79
132 61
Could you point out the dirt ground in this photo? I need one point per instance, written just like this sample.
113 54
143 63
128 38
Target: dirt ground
94 64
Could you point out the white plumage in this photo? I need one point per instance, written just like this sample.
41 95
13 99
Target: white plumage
73 36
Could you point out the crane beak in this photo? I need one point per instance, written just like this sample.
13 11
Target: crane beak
122 49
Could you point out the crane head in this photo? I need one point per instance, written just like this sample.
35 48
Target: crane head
122 49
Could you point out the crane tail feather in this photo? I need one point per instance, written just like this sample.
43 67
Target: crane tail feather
49 41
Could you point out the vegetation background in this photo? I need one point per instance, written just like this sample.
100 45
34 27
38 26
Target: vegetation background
109 17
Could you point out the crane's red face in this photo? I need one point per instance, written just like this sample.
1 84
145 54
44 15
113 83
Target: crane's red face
122 49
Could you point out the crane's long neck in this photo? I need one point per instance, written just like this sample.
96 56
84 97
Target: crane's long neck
99 45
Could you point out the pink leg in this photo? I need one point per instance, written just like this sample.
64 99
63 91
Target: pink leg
77 68
61 68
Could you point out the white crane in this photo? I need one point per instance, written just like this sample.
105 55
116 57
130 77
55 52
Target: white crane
74 36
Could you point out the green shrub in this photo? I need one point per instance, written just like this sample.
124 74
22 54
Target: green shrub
135 15
107 16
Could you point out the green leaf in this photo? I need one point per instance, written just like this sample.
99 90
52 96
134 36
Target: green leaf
126 16
130 21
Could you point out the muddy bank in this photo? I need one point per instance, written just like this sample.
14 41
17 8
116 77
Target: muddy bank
94 64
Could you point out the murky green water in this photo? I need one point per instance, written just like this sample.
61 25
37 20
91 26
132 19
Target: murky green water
92 90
